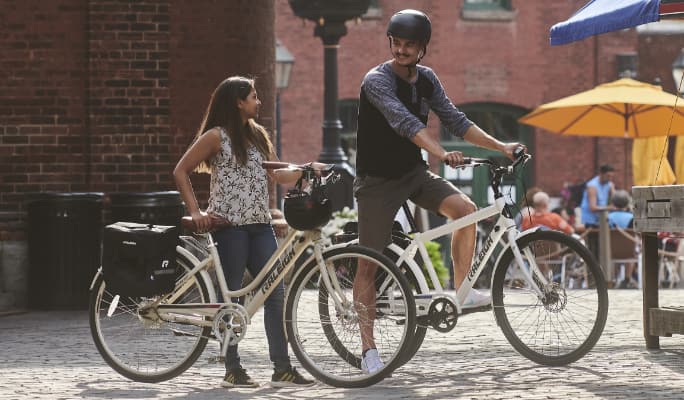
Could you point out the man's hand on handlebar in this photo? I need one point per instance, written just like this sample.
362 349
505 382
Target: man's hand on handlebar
511 150
452 158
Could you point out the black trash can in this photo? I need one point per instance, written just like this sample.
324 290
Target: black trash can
64 239
158 208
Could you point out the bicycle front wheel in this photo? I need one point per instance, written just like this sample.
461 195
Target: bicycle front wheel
139 346
324 327
566 321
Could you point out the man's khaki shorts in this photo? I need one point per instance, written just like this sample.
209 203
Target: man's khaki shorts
379 200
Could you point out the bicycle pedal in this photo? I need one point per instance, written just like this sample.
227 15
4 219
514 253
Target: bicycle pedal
488 307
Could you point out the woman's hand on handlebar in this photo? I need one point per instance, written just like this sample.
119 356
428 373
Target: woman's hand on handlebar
292 172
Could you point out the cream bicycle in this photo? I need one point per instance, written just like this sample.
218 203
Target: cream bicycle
549 294
157 338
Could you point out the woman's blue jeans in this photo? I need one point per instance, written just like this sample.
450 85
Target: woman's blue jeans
250 246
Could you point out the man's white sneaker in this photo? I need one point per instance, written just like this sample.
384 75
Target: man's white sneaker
477 299
371 362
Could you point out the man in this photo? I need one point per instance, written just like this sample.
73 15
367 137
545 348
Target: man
542 216
395 100
596 198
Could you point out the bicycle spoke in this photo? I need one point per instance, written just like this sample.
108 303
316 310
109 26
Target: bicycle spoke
326 336
137 343
566 321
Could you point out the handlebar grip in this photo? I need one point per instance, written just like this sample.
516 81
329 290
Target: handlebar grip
518 152
275 164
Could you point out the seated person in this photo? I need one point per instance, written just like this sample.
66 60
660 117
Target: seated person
623 218
541 216
526 205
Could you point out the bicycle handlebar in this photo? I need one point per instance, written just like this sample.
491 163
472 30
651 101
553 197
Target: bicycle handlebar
297 167
520 157
322 176
498 171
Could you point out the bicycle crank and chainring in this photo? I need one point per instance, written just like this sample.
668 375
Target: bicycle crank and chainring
442 315
230 325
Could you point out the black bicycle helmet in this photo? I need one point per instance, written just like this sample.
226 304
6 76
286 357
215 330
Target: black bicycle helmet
304 211
410 24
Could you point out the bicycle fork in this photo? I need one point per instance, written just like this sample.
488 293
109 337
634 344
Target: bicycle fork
528 268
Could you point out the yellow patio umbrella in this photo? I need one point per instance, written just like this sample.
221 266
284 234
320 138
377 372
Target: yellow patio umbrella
624 108
647 167
679 161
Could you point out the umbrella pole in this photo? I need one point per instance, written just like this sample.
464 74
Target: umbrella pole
626 163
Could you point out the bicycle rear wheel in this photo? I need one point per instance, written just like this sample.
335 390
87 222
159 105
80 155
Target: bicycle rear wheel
141 348
563 325
325 336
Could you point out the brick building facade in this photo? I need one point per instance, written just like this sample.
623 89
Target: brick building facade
105 95
486 59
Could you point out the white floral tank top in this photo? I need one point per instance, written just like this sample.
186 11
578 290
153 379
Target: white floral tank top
238 193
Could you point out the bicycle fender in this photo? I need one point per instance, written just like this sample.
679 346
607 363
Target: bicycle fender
505 249
203 273
98 273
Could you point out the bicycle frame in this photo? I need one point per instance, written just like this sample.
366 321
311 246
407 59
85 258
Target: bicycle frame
504 232
504 228
256 292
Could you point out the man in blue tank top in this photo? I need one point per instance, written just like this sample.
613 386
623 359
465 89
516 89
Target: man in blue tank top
596 198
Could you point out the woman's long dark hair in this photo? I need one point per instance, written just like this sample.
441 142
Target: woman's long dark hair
224 112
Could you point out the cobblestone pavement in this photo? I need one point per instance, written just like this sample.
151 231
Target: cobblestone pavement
50 355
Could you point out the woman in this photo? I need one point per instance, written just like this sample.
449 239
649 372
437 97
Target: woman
232 146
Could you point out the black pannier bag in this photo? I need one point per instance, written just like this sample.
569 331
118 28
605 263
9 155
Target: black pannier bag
139 260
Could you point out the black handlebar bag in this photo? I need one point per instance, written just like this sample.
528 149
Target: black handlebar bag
139 260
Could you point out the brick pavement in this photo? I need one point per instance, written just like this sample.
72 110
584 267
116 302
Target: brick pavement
50 355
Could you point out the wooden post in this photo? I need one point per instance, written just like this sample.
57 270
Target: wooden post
650 284
604 247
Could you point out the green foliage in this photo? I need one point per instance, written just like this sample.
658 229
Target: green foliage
339 219
436 259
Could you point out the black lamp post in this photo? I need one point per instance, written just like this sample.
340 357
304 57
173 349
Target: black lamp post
284 62
330 18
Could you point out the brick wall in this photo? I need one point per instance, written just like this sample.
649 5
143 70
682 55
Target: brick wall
105 95
128 95
42 99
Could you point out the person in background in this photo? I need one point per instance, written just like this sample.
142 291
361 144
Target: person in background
621 217
232 146
596 198
541 216
526 205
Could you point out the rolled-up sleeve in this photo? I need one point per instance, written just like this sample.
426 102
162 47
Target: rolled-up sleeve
453 120
380 91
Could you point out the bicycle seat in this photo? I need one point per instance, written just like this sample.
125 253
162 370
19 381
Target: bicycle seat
215 224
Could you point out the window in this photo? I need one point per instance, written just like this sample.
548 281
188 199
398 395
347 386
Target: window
494 120
348 111
374 11
500 121
492 10
487 4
